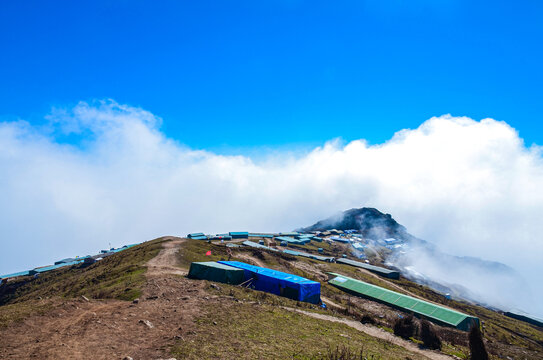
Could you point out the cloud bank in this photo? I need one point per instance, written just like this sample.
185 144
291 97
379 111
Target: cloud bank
471 187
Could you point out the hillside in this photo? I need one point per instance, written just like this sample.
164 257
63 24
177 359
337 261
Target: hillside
140 304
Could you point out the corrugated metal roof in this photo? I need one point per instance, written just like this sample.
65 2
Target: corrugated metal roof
256 245
261 235
292 252
376 269
21 273
192 235
317 257
53 267
431 311
340 239
292 241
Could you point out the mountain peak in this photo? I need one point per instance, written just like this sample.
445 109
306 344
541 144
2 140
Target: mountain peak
370 222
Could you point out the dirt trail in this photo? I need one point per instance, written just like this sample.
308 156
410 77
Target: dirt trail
378 333
329 303
252 259
165 262
113 329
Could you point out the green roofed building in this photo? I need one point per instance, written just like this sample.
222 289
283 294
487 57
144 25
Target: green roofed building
433 312
213 271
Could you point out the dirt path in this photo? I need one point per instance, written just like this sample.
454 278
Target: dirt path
330 303
378 333
253 259
113 329
165 262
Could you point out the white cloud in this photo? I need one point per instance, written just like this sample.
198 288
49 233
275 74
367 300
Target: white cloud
471 187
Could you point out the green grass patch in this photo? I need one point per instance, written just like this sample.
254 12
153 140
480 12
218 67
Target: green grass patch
239 330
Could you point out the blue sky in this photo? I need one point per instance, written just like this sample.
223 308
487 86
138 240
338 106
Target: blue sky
231 76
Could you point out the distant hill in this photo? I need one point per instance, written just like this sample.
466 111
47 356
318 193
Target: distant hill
369 221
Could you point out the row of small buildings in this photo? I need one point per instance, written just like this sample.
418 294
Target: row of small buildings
302 289
85 260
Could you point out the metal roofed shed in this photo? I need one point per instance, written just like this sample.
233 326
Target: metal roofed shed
279 283
269 236
239 234
21 273
433 312
53 267
63 261
214 271
233 245
256 245
317 257
224 237
340 239
193 235
391 274
293 241
292 233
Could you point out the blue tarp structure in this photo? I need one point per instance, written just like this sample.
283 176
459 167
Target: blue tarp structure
279 283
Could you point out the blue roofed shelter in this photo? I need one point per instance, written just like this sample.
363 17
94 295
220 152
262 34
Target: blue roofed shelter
279 283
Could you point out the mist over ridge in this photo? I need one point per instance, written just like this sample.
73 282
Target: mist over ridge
462 277
471 187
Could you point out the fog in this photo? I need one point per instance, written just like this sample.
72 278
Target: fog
103 173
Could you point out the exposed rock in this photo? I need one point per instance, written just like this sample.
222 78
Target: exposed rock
216 287
147 323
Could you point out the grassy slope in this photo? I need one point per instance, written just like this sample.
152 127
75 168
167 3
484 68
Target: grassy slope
505 336
238 330
256 316
119 276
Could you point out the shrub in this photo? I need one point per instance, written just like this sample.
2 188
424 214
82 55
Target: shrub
405 327
366 319
428 336
476 344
